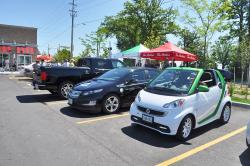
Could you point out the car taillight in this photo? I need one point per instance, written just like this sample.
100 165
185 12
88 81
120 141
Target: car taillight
43 76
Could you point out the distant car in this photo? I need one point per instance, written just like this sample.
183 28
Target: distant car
27 70
181 99
110 91
228 75
248 135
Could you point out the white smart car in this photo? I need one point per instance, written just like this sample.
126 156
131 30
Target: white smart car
181 99
248 135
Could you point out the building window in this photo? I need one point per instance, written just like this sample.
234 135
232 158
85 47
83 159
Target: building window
24 60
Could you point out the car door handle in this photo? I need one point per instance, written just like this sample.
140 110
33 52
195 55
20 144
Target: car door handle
220 85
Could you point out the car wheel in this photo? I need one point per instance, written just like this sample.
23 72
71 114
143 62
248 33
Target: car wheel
111 104
185 128
225 114
54 92
64 88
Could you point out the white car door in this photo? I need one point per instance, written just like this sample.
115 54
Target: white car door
208 101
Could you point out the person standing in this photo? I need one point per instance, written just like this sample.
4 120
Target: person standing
66 63
35 69
7 64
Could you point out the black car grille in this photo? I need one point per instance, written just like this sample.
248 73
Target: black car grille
159 127
150 111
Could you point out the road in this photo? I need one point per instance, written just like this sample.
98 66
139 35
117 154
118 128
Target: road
36 128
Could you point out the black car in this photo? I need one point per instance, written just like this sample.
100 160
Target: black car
59 80
112 90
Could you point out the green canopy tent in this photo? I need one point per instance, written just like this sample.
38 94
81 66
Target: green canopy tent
132 53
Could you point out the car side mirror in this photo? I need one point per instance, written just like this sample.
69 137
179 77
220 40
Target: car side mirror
203 88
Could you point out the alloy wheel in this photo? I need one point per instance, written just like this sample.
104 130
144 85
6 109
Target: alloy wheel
65 89
112 104
187 127
226 113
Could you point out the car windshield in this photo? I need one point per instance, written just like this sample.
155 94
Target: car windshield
115 74
173 82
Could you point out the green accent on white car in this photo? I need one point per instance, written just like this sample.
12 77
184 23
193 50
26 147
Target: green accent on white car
181 95
223 84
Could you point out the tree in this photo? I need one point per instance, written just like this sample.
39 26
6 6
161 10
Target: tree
244 56
95 45
237 16
62 55
140 22
190 41
222 51
205 17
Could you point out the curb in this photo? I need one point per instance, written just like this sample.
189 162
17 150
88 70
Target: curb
10 73
242 105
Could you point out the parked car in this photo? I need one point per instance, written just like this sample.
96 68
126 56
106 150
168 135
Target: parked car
112 90
228 76
27 70
182 99
59 80
248 135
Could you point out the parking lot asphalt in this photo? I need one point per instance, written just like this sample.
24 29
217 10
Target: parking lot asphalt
37 128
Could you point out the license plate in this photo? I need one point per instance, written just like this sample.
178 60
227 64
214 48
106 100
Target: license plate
70 101
147 118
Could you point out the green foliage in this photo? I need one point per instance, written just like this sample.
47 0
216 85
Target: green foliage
62 55
191 42
141 21
206 17
231 90
238 16
223 51
94 45
244 55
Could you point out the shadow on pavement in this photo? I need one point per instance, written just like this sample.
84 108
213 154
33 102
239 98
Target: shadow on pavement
206 128
84 114
151 137
245 157
156 139
38 98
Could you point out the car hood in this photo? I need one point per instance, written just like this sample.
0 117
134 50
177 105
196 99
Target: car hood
93 85
155 101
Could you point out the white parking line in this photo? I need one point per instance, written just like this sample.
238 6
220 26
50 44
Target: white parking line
55 102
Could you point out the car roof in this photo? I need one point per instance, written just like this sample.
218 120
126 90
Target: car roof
186 68
141 68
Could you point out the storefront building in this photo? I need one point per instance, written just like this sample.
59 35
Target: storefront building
18 44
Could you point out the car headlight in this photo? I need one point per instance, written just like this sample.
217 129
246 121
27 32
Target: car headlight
75 93
92 92
138 97
175 104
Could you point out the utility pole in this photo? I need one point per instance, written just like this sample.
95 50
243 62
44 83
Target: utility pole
48 49
73 13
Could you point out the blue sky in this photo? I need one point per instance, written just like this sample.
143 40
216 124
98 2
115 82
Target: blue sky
53 21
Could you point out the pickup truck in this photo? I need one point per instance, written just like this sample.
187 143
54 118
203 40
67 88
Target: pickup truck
60 80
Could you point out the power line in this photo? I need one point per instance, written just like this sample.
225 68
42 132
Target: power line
65 30
73 14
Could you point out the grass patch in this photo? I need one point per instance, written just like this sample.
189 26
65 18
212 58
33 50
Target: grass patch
237 99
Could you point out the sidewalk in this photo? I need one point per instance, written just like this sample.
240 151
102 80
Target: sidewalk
10 73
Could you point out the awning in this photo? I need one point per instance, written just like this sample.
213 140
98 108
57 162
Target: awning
46 58
5 49
170 52
25 50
